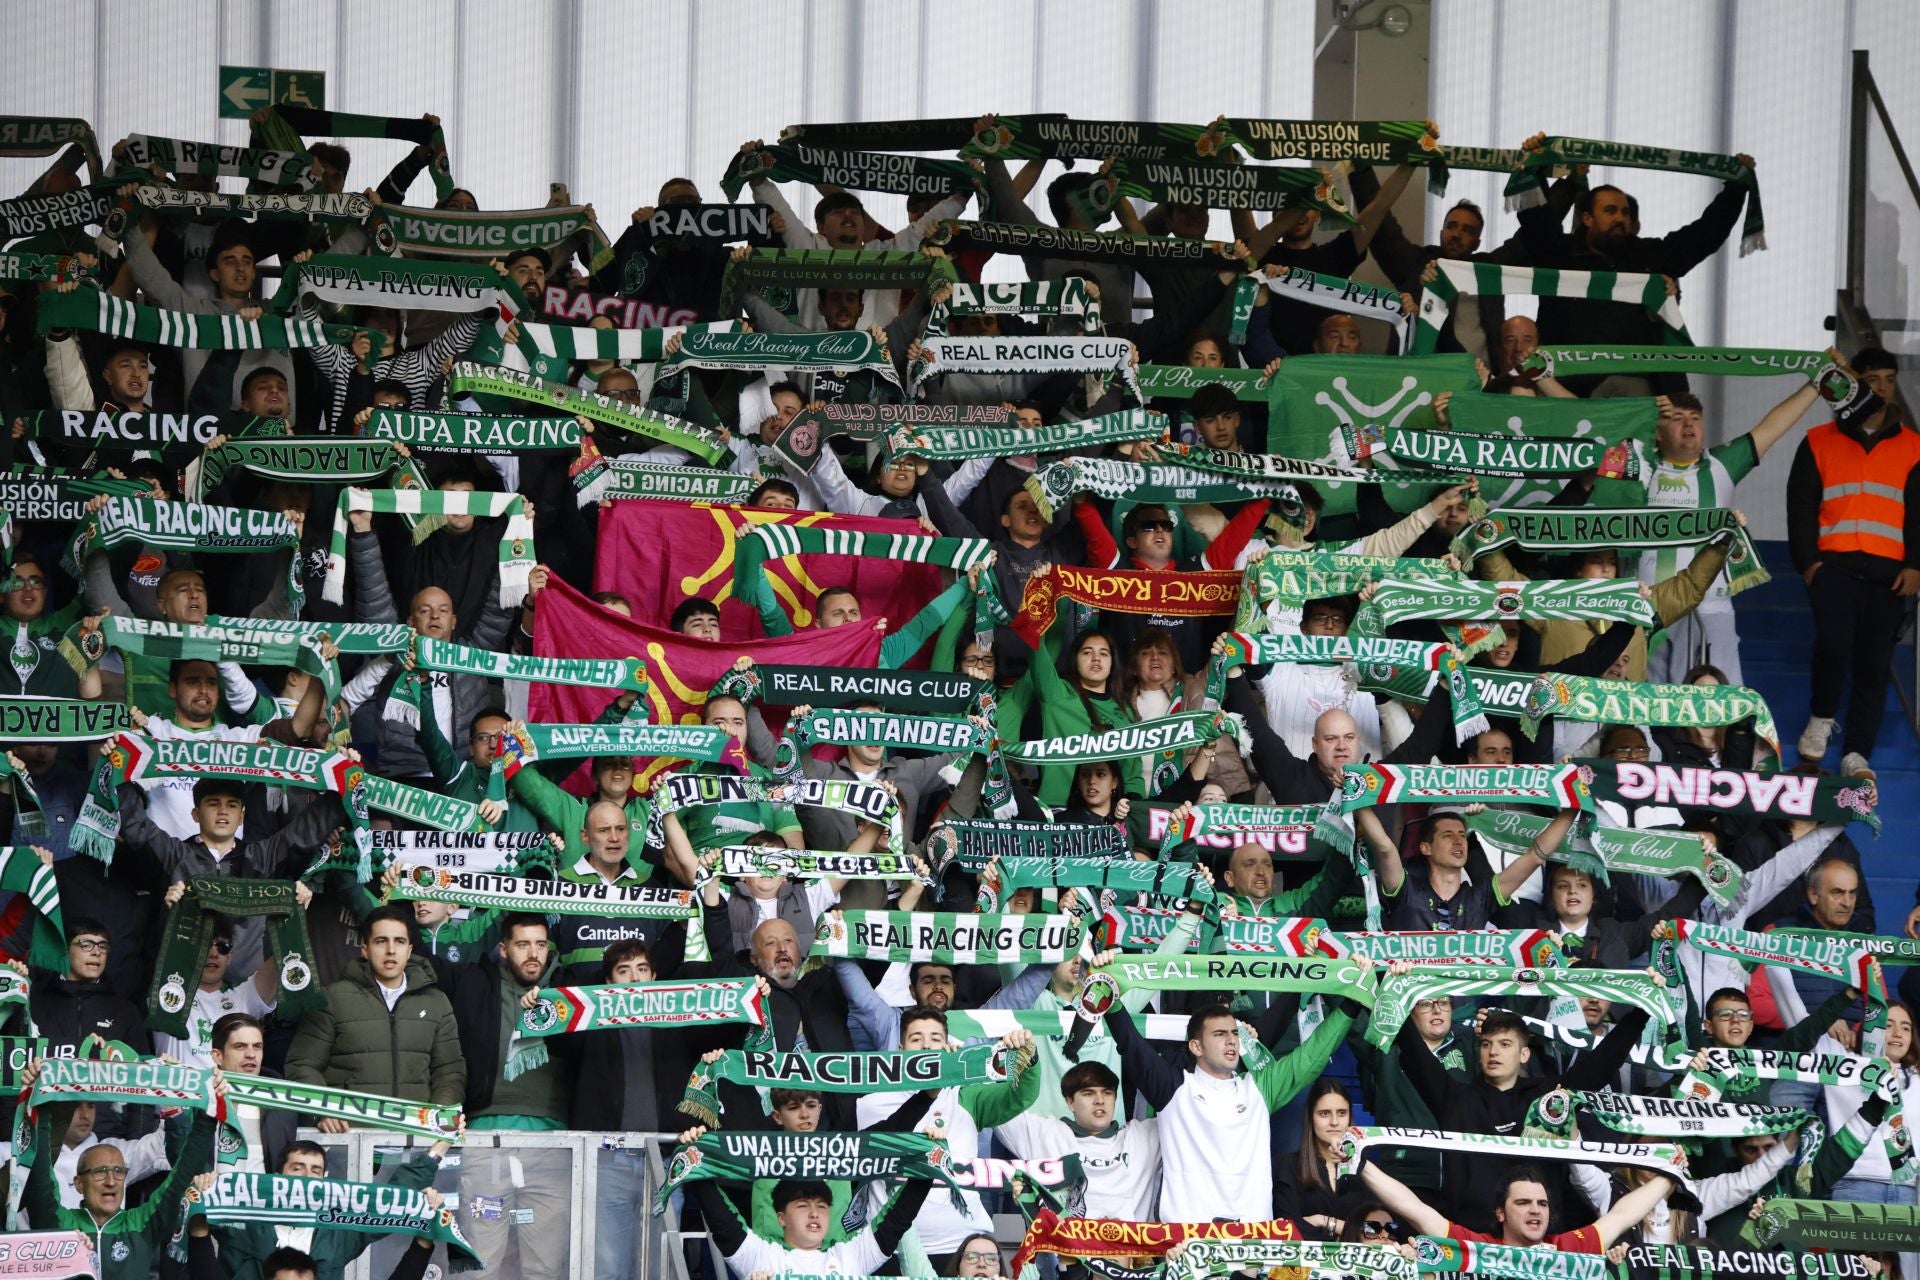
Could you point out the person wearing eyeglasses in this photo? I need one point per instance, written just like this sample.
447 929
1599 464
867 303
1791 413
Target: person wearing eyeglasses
68 1008
126 1241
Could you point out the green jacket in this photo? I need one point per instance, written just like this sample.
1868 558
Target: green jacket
460 780
243 1249
412 1052
552 809
130 1241
1064 711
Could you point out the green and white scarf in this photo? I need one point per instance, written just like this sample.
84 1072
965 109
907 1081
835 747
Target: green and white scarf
857 170
41 267
513 853
1398 995
952 444
1264 469
603 479
217 160
1201 1259
1218 185
376 1208
1556 1115
857 350
1740 1069
91 310
516 540
1592 700
864 800
565 1010
1838 1225
764 270
146 1082
184 526
1720 362
797 445
738 860
1307 975
1834 956
1263 648
295 461
1065 297
599 673
1351 142
426 1120
524 744
1455 278
914 692
1099 355
1460 599
582 343
1558 155
40 493
229 643
319 206
451 233
473 432
1561 530
863 1073
1664 854
1558 786
880 729
1168 733
1337 293
139 429
429 809
1663 1158
837 1157
971 843
485 379
286 125
1008 875
1717 1262
1158 483
550 897
764 542
1293 577
189 933
1183 382
1238 819
131 757
1047 135
1442 1255
28 719
36 215
399 284
348 637
947 938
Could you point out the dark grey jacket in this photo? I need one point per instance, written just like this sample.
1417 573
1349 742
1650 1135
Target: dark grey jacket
400 752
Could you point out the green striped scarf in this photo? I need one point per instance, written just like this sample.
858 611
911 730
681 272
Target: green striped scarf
1292 577
238 1199
1662 1158
1008 875
1168 733
516 540
1444 454
22 872
597 478
469 377
41 267
1443 1255
399 284
952 444
569 342
195 527
766 542
317 206
1558 786
1201 1259
1834 1224
549 897
1180 484
1455 278
295 461
433 1122
1335 293
1556 1115
1263 648
33 136
91 310
862 1073
566 1010
230 643
738 860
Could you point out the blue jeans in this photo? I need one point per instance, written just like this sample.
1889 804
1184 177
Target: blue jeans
621 1216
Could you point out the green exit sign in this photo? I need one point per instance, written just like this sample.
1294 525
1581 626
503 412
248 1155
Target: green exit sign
244 90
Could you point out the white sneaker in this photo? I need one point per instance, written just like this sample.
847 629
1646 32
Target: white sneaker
1813 741
1854 765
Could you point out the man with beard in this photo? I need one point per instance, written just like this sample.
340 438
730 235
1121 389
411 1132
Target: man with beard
1523 1209
1606 238
512 1196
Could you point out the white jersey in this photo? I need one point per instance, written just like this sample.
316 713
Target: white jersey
1122 1167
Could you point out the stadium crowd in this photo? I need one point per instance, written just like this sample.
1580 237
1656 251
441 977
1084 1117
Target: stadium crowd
1170 734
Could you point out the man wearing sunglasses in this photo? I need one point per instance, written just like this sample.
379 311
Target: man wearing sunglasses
214 999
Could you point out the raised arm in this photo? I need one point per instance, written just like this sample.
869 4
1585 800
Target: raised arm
1399 1197
1629 1209
1780 419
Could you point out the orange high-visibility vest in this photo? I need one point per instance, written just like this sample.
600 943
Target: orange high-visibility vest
1863 493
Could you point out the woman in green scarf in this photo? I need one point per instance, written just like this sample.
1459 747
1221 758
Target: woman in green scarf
1078 695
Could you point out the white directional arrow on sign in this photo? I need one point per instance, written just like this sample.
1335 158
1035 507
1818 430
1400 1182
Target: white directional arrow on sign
245 94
